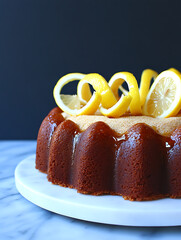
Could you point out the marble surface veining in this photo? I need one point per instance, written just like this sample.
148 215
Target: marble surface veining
21 219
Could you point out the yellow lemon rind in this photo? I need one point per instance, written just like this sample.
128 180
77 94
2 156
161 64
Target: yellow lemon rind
118 79
90 108
101 86
83 92
118 109
146 77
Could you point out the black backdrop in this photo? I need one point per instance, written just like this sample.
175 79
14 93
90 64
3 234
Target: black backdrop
41 40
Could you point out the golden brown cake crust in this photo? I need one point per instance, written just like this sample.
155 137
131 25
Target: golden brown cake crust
163 126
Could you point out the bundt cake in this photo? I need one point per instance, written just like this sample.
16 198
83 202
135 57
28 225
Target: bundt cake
137 157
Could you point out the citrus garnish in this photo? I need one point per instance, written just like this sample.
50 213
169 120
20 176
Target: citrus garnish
71 101
119 108
162 100
116 82
71 104
83 92
146 78
100 85
164 97
175 70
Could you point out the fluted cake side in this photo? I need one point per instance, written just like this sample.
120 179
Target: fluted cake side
138 165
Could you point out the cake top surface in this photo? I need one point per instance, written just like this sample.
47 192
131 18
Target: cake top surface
163 126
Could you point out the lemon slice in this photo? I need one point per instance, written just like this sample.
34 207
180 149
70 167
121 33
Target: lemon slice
71 101
117 80
164 97
119 108
175 70
68 103
100 85
146 77
83 92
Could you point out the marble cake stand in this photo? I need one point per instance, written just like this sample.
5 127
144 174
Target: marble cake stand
34 186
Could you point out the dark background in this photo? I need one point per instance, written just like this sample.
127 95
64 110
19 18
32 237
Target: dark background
41 40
